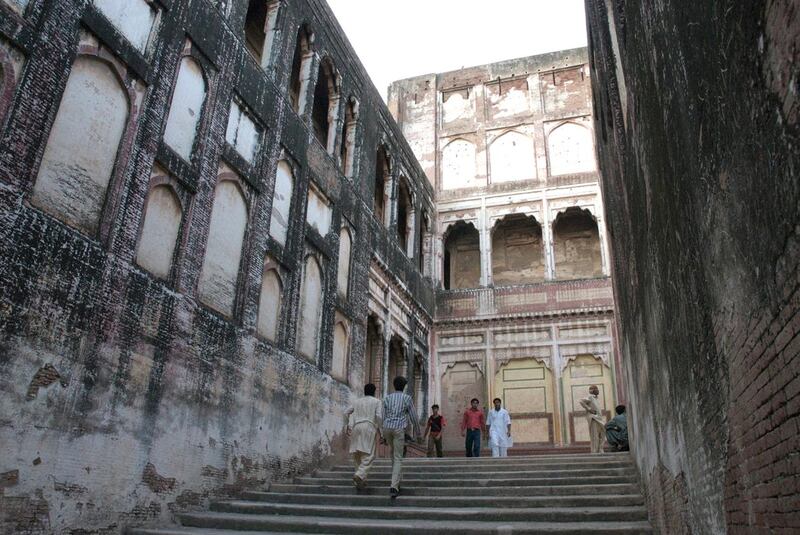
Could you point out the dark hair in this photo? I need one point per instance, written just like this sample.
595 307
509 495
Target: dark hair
474 399
369 389
620 409
434 406
399 383
497 399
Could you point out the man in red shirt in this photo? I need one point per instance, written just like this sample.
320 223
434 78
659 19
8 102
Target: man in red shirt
471 426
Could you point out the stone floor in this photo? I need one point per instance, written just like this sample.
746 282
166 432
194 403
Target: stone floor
564 494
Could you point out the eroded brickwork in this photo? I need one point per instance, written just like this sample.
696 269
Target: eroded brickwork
145 365
697 139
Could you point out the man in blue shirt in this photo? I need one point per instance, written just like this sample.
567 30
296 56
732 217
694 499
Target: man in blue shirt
398 411
617 430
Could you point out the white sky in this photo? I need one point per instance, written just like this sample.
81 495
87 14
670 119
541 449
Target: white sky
398 39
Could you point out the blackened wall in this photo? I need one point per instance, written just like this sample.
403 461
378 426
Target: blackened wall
125 398
697 137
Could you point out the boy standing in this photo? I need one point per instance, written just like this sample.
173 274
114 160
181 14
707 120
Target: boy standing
433 431
472 425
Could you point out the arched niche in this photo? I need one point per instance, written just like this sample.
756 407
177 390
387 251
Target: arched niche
462 257
220 272
343 266
458 164
517 251
281 202
160 230
310 308
270 302
186 108
576 245
83 144
511 157
570 149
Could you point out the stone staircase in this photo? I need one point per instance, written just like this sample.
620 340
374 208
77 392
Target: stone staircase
563 494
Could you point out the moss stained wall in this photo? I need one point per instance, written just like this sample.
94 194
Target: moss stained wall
697 138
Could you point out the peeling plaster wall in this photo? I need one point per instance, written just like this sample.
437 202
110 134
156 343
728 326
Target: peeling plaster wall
697 133
125 399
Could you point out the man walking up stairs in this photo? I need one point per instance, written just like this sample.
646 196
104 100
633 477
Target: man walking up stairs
563 494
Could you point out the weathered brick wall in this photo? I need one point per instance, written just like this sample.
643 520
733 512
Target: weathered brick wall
124 398
697 135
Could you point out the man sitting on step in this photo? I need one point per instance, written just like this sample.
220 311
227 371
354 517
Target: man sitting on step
617 430
363 426
398 411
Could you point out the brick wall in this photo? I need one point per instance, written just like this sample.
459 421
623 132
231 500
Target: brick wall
697 132
125 397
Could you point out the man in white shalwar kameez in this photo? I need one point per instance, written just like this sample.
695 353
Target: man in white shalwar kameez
363 427
498 423
594 417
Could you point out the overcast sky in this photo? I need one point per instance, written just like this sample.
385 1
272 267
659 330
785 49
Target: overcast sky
398 39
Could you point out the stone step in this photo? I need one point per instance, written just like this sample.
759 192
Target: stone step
363 500
453 473
467 480
371 526
531 459
412 489
433 512
183 530
496 467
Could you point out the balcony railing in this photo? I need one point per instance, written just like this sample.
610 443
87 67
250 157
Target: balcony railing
523 299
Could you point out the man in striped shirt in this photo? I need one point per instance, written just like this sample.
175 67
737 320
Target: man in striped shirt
398 411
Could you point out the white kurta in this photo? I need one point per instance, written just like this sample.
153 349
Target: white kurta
365 420
498 422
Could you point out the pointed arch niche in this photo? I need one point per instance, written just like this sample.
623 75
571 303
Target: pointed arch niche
576 245
517 251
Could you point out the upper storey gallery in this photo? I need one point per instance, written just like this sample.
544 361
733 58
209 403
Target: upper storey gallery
506 124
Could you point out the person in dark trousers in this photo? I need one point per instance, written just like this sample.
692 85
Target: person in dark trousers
433 431
472 424
617 430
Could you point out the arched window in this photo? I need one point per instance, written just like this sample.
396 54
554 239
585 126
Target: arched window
576 245
517 251
269 303
281 202
162 223
511 157
259 29
133 18
570 149
310 308
458 165
348 142
220 271
462 257
405 217
343 271
186 108
341 351
381 179
242 133
326 105
82 149
301 63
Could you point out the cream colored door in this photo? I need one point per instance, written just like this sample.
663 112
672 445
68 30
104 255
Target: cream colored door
462 382
526 387
582 372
